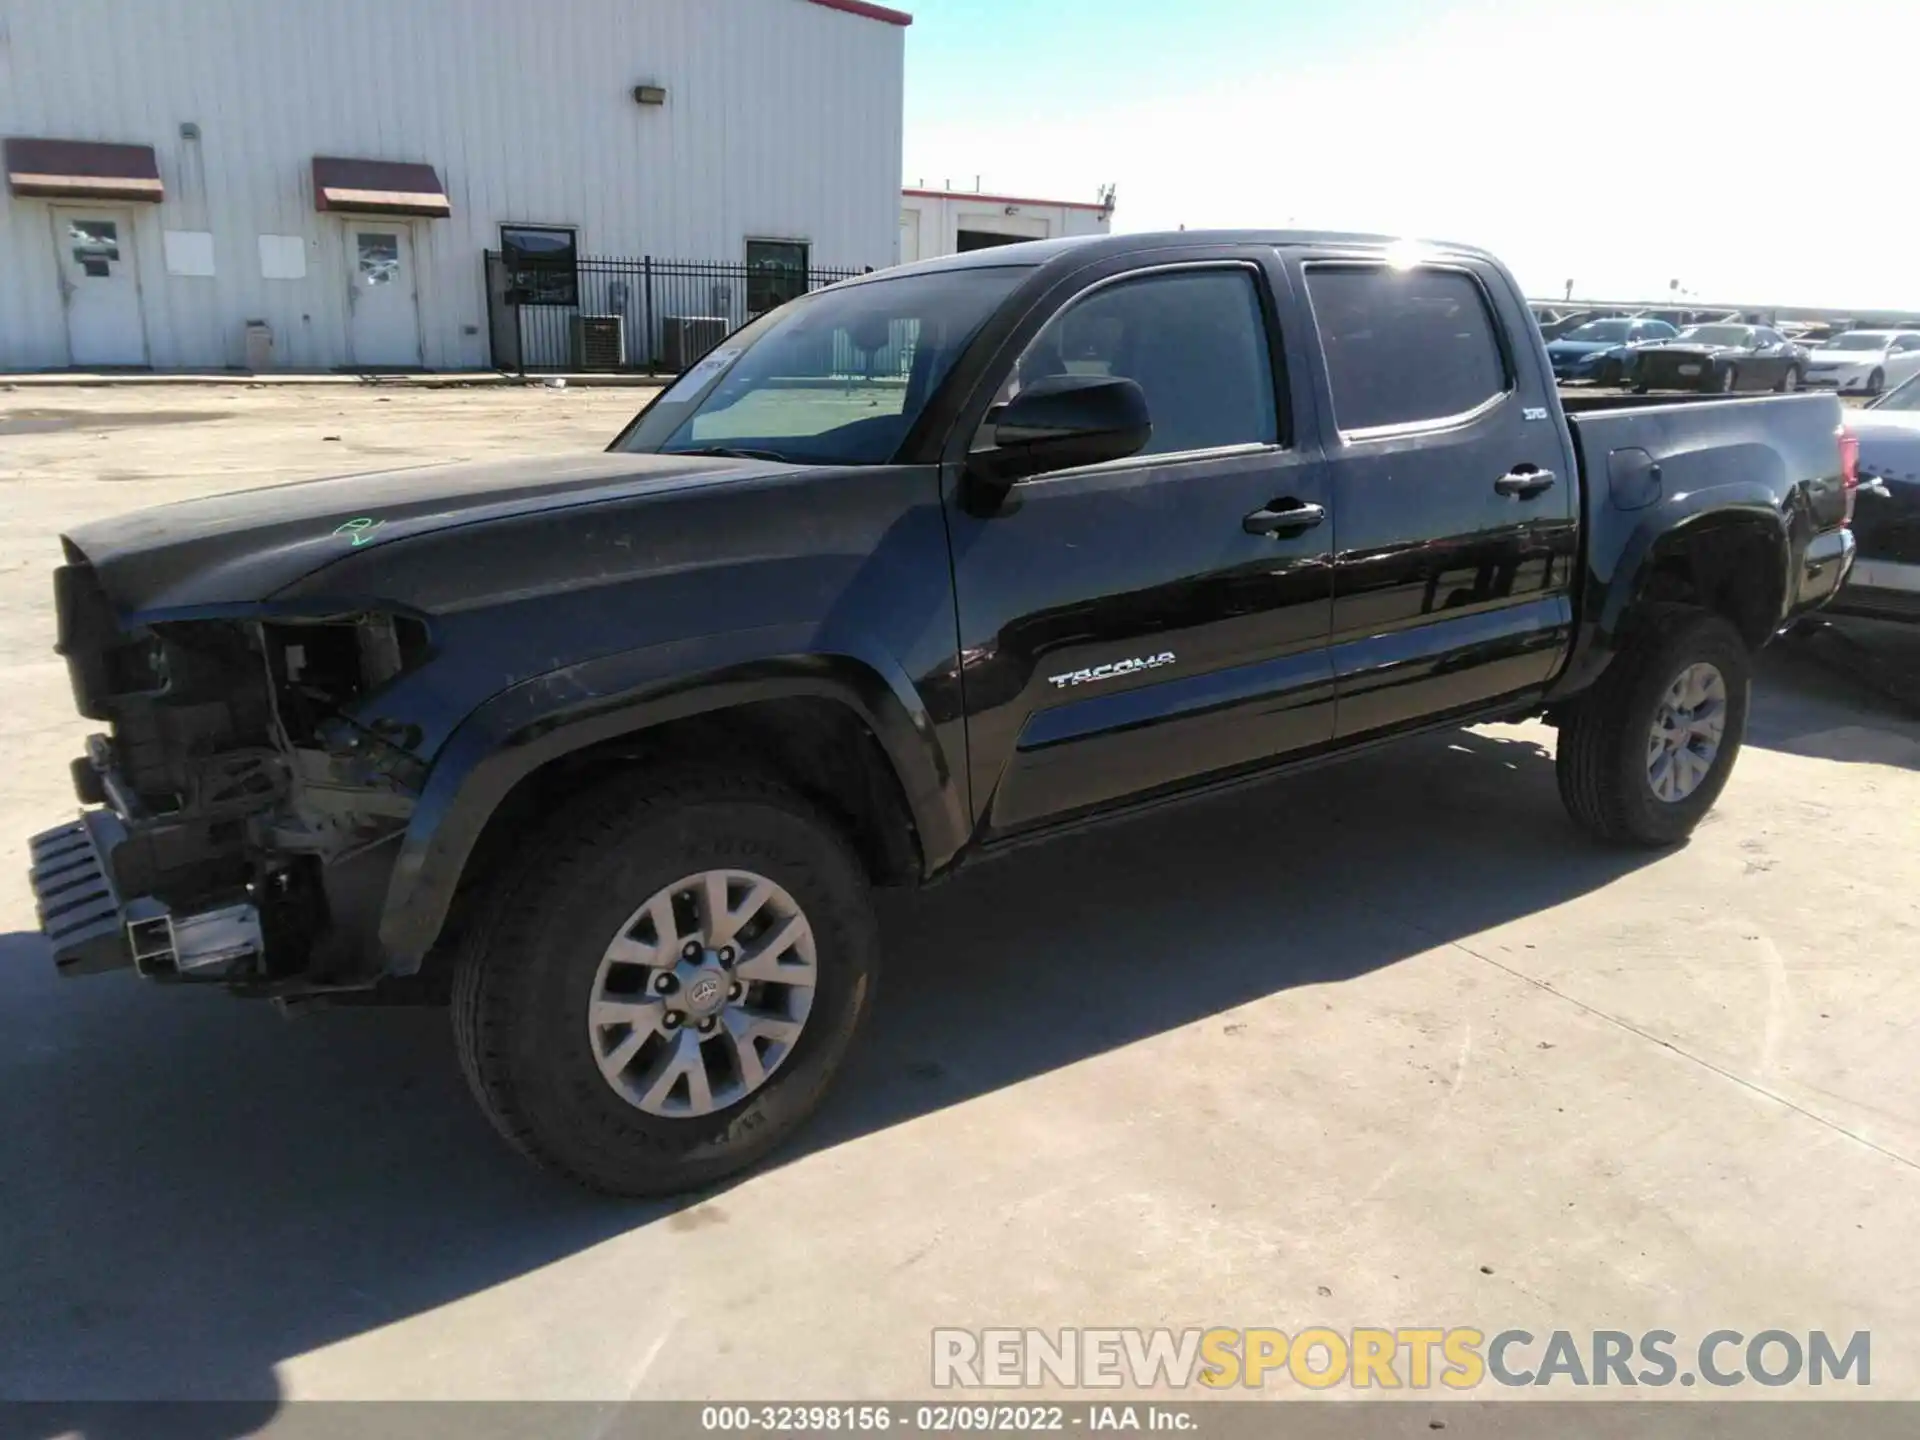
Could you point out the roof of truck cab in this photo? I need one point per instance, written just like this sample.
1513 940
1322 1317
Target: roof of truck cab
1087 247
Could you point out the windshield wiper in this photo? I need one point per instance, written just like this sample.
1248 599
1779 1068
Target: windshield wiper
731 452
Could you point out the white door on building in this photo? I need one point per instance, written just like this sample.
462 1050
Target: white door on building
99 285
909 236
382 296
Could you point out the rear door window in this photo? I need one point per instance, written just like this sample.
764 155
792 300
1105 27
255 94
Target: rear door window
1405 347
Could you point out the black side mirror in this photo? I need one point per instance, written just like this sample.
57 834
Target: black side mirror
1060 422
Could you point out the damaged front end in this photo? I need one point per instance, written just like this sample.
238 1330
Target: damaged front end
243 821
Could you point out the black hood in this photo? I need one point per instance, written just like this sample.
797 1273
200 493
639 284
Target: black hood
243 547
1687 347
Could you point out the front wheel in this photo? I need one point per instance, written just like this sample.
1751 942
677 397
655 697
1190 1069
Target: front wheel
1726 381
666 992
1645 753
1789 382
1876 382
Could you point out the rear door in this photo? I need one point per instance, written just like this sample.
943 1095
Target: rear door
1137 625
1453 490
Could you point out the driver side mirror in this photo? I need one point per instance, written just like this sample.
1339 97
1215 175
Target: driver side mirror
1060 422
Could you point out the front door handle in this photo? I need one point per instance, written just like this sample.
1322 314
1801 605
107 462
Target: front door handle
1524 481
1284 517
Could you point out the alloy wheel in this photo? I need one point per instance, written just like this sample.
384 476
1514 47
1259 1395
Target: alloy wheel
702 993
1688 726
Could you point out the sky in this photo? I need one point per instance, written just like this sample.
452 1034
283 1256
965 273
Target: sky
1743 149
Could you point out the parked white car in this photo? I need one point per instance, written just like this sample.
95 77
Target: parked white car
1865 360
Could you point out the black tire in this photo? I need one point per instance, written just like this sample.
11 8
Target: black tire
1789 382
1725 380
1876 382
526 969
1607 372
1601 760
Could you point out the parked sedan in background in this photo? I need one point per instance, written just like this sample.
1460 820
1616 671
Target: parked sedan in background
1603 349
1720 359
1865 360
1885 580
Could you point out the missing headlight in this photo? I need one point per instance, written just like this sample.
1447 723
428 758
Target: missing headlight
323 667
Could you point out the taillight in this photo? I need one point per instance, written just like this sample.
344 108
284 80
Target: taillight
1849 469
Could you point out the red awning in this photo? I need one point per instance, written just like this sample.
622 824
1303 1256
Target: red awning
82 170
378 187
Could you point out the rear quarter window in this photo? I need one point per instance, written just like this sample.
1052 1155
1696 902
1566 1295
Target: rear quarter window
1404 347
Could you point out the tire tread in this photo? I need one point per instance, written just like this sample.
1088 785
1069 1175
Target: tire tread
1594 729
484 1001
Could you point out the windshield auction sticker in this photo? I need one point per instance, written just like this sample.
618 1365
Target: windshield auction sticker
696 378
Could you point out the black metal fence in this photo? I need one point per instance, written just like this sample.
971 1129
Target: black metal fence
606 313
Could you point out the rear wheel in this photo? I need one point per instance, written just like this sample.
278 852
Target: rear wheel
664 995
1645 753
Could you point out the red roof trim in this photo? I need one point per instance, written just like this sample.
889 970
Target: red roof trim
81 169
999 199
378 187
866 11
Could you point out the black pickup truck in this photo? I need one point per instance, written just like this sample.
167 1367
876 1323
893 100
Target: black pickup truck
609 749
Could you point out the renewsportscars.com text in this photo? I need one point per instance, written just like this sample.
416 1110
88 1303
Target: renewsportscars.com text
1406 1357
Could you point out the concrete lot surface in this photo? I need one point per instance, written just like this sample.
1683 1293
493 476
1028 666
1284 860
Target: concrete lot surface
1386 1044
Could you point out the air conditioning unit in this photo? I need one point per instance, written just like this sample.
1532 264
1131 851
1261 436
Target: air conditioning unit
599 342
685 338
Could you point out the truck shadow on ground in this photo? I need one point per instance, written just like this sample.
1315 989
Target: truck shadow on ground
1846 690
195 1190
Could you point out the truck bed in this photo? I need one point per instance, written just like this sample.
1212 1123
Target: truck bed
1648 463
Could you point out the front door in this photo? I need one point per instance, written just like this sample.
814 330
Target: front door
382 296
1453 490
100 286
1139 624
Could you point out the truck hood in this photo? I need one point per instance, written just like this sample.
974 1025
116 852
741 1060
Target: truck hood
242 548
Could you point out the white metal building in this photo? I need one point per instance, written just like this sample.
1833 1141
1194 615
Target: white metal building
177 169
946 222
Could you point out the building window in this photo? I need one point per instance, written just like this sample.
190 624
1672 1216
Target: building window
776 273
542 264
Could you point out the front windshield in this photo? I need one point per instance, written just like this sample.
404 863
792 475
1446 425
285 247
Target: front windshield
835 378
1610 331
1905 396
1858 340
1716 334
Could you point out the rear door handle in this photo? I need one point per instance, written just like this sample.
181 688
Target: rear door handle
1524 482
1284 517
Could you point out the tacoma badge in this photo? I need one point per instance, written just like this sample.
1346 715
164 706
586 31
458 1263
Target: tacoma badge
1113 671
